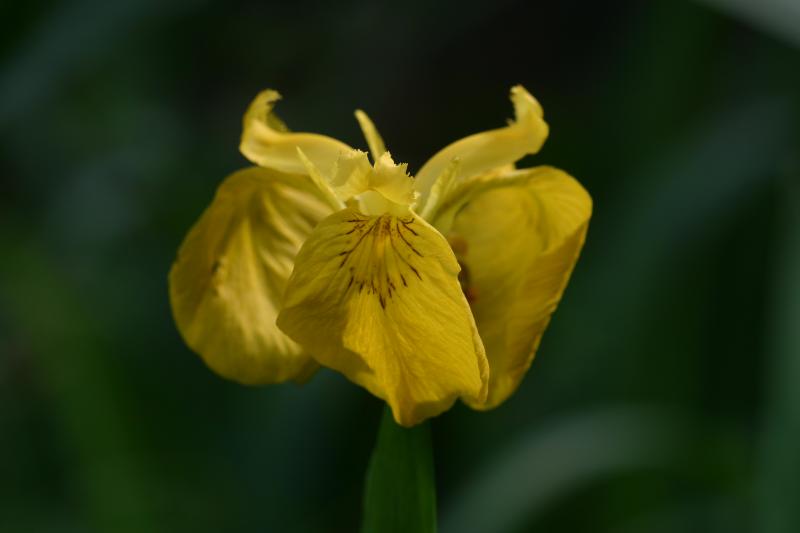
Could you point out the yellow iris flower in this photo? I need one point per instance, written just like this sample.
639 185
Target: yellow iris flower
422 290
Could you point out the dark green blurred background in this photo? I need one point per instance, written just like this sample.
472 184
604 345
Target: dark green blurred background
666 394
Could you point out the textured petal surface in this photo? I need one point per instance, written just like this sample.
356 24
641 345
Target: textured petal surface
518 242
228 280
267 143
378 299
488 150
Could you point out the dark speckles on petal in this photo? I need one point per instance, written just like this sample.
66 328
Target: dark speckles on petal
389 244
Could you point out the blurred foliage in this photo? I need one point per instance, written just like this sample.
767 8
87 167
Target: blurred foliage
665 394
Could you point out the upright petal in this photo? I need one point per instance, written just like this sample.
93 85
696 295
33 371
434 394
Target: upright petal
267 142
518 242
227 282
378 299
485 151
374 139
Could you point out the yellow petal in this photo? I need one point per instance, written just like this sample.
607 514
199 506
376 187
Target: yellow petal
227 282
378 299
351 174
384 187
485 151
448 196
321 182
441 190
374 140
267 143
518 243
392 181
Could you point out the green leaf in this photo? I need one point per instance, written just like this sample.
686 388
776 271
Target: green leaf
400 493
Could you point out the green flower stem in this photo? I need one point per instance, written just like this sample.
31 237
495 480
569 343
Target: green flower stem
400 493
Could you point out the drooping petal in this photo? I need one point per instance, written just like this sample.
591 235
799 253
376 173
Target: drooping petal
518 242
227 282
484 151
267 143
378 299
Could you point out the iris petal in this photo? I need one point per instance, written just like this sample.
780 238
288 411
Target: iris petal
377 298
482 152
227 282
374 139
267 142
518 240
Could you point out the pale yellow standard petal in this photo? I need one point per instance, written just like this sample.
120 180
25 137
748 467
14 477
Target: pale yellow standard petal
374 139
267 143
482 152
518 243
227 282
378 299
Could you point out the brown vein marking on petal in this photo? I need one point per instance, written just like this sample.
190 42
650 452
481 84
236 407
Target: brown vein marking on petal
380 255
